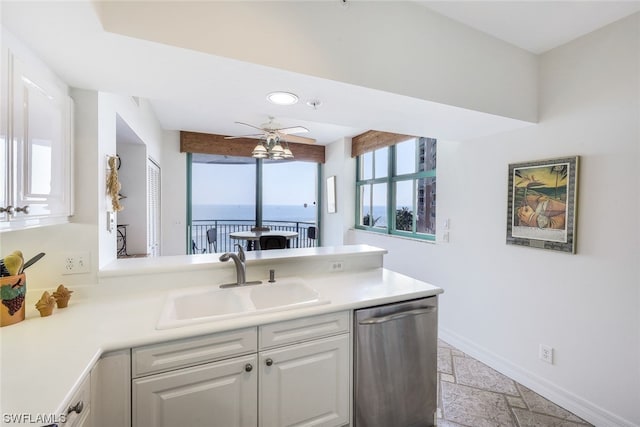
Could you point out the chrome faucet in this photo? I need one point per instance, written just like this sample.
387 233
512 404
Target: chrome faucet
241 269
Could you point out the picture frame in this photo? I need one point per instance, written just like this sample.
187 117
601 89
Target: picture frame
331 194
541 204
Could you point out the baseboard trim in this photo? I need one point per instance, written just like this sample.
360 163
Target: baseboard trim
584 409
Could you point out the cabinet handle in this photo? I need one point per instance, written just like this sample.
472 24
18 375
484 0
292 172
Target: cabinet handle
24 209
402 315
269 362
9 210
77 408
248 367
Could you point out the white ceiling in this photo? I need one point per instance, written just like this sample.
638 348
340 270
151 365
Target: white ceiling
212 92
536 26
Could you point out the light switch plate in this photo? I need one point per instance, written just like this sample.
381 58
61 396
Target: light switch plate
111 221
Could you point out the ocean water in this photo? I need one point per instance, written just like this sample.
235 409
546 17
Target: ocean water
292 213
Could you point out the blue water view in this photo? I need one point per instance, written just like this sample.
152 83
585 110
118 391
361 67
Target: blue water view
292 213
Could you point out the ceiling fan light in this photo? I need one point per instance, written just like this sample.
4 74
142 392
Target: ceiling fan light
287 154
259 152
277 149
282 98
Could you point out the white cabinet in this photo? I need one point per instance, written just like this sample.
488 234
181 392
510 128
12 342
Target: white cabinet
36 117
298 375
305 384
111 390
78 412
218 394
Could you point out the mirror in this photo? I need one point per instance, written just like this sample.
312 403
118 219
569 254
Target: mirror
331 194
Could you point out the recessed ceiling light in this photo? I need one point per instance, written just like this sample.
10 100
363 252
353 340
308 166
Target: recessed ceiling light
282 98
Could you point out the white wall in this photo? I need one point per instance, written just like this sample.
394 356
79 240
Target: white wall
174 196
133 178
437 59
338 163
500 301
139 116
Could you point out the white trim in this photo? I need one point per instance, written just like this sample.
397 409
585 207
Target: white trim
583 408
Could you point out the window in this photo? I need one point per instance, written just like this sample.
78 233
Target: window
231 193
396 188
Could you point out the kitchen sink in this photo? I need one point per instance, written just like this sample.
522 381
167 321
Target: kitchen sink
206 304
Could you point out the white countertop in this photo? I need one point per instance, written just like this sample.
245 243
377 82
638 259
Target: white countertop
44 360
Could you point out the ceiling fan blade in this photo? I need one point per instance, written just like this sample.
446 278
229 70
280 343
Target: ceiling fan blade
247 124
254 135
293 129
298 139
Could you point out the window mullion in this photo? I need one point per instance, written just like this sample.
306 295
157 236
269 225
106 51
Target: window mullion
415 206
391 193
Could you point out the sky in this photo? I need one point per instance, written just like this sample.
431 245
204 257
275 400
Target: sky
290 183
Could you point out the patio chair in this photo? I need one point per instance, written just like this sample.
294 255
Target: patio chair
273 242
312 232
260 229
195 249
212 239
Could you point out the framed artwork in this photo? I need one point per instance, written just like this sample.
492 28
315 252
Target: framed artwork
331 194
541 206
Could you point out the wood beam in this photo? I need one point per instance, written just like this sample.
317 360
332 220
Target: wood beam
207 143
373 139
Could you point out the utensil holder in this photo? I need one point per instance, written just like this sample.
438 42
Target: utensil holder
12 294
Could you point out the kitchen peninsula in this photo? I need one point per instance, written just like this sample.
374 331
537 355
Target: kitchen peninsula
121 313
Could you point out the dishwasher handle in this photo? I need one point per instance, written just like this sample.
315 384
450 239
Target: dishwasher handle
397 316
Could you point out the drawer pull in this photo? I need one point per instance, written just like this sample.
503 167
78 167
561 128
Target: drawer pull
24 209
9 209
269 362
248 367
77 408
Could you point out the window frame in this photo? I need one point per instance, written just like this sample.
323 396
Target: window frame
391 179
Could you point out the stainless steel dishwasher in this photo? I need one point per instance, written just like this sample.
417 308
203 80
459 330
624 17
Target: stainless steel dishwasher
395 379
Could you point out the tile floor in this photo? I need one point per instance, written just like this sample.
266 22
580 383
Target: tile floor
472 394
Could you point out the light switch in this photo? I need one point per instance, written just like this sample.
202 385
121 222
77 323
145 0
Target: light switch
111 221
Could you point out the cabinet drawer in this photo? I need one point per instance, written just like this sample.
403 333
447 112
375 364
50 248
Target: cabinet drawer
79 407
292 331
177 354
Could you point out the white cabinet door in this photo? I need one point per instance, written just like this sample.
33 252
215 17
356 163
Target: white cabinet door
41 141
36 123
219 394
306 384
6 166
78 412
111 390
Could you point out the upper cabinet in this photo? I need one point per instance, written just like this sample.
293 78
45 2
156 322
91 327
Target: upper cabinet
36 123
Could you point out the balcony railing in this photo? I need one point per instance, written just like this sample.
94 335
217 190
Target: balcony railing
224 227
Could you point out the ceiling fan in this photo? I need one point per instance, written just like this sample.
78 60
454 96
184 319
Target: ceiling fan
272 131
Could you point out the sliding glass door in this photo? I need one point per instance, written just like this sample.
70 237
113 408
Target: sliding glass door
230 194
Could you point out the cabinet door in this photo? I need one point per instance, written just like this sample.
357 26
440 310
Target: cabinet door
111 390
41 138
222 394
5 165
306 384
78 412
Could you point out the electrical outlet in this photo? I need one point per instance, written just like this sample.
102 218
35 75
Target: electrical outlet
76 263
336 266
546 354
